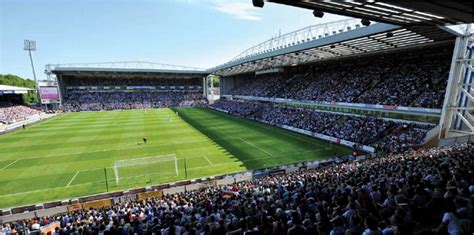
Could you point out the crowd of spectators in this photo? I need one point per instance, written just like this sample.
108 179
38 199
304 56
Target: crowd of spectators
100 98
94 101
427 191
414 79
267 85
11 113
385 135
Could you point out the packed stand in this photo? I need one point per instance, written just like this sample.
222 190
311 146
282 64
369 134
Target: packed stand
401 137
413 79
132 92
419 192
262 85
94 101
384 135
11 113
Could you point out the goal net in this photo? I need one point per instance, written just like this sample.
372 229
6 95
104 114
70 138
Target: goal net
164 165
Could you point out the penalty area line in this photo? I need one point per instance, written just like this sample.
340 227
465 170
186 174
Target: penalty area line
262 150
166 177
5 167
207 159
75 175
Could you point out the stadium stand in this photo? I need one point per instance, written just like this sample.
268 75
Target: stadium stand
101 93
413 79
386 135
419 192
94 101
11 113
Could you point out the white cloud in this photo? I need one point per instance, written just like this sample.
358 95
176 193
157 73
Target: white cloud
239 10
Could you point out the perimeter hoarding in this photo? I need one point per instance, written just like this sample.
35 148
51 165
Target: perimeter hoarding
49 92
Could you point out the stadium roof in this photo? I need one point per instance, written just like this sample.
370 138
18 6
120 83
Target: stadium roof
404 24
125 67
5 89
435 12
328 41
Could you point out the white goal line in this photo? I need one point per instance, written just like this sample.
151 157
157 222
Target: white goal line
145 160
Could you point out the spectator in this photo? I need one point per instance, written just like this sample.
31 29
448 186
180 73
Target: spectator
94 101
316 195
414 79
11 113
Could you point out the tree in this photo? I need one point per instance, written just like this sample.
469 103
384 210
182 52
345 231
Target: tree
13 80
215 80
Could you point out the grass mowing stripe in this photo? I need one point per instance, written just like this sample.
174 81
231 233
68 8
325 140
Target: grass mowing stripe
105 150
78 142
199 122
272 129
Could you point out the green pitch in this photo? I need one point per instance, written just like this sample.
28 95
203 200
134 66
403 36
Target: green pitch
65 157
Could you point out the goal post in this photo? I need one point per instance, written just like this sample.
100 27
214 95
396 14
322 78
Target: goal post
137 167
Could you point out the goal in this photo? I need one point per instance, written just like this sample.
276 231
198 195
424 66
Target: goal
163 165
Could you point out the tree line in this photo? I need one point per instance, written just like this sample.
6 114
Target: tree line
13 80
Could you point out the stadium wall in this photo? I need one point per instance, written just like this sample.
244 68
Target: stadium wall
331 139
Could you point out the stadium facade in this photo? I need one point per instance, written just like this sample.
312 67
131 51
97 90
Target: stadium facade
117 70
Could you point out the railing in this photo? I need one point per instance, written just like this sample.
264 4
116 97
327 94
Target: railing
123 65
340 105
300 36
457 139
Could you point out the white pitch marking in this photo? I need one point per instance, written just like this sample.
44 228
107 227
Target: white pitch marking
210 163
112 149
263 150
5 167
191 168
75 175
262 125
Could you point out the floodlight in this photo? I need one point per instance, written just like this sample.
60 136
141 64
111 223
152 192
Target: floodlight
258 3
318 13
365 22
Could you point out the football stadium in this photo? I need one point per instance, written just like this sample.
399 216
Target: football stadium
363 125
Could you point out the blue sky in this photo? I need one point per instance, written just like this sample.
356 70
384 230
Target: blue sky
198 33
